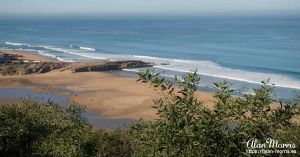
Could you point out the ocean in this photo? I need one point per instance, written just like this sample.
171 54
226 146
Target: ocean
241 49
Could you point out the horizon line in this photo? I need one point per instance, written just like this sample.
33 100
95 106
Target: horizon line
217 13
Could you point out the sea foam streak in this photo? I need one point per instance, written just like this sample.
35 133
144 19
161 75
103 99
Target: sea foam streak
87 48
64 60
73 52
15 44
47 54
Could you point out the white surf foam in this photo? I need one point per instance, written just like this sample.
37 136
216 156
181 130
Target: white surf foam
131 70
47 54
209 68
87 48
15 44
64 60
238 75
73 52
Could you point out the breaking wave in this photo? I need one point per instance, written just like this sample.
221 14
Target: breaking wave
16 44
87 48
73 52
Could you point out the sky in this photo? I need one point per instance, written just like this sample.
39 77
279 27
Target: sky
149 6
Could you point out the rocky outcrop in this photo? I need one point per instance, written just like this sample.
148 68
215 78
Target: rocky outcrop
23 68
12 65
108 66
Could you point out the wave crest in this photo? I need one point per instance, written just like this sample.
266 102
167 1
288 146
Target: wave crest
87 48
16 44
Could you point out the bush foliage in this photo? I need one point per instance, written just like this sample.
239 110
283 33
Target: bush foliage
185 127
35 129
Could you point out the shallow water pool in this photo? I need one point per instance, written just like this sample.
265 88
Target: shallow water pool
93 117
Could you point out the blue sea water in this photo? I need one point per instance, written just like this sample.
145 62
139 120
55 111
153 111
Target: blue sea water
243 50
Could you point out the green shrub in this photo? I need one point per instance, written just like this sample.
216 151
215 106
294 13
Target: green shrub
113 143
187 128
35 129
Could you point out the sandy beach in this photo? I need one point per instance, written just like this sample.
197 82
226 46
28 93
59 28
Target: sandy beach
113 95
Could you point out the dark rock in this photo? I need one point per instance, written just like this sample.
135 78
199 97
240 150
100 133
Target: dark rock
108 66
30 68
164 63
10 65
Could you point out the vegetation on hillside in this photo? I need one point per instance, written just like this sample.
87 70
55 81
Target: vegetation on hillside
185 127
35 129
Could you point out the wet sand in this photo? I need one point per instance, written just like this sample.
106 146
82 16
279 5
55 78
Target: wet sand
112 95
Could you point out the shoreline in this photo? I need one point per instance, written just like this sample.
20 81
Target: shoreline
114 96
